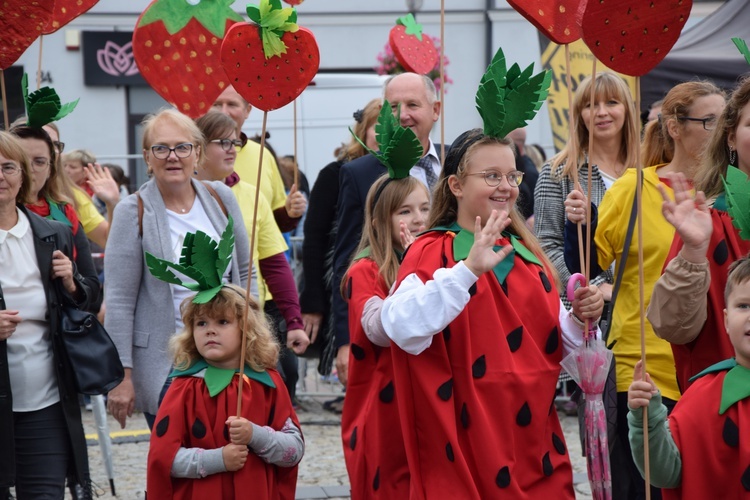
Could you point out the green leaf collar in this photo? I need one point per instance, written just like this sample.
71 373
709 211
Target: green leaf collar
217 379
736 385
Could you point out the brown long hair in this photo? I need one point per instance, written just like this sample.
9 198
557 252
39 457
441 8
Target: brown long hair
444 211
354 149
607 86
378 230
716 155
658 145
261 351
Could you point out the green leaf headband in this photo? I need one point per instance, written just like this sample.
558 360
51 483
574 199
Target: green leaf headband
509 98
202 260
399 147
43 106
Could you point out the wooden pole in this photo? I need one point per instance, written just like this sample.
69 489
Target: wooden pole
5 100
39 65
295 166
245 324
442 83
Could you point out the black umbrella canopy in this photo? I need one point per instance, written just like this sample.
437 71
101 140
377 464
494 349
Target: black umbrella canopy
705 52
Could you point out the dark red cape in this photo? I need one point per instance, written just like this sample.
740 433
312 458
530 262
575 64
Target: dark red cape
714 449
712 344
189 417
370 428
477 407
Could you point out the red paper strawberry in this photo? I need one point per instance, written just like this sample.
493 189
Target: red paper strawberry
413 51
633 36
176 45
65 11
271 62
294 2
559 20
21 22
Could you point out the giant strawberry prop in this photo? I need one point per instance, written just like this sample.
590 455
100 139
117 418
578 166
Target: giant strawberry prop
633 36
413 51
559 20
21 22
65 11
272 60
176 46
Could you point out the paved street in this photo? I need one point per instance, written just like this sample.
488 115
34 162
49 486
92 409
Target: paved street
322 473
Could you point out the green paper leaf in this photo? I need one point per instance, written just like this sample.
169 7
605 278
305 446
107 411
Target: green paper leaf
742 47
203 253
176 14
411 25
43 106
65 110
272 44
253 12
273 21
404 153
160 270
386 125
737 191
205 296
226 247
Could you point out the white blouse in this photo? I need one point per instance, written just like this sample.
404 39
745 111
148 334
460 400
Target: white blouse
30 359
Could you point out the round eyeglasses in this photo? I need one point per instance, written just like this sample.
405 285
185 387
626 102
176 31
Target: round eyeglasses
228 144
162 152
708 123
39 164
10 169
493 178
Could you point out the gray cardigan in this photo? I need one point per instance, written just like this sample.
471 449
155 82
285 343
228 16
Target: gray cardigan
140 314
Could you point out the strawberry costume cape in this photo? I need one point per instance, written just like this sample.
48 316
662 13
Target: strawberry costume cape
191 417
709 427
477 406
373 444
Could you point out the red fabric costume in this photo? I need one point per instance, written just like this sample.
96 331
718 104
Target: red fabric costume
477 407
190 418
373 443
714 448
712 344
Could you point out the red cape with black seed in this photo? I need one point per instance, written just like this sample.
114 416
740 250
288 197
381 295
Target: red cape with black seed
714 450
477 407
712 344
370 428
189 417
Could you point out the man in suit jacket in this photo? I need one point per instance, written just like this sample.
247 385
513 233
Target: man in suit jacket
420 109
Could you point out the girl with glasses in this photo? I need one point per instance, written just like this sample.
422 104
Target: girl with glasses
143 312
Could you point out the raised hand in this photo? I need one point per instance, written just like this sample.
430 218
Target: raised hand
102 184
407 238
689 215
640 391
482 257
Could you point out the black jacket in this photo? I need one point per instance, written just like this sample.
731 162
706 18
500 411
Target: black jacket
48 236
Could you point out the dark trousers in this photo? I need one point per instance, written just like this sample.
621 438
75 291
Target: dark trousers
626 479
43 453
287 366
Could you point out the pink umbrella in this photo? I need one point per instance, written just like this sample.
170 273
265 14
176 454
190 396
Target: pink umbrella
588 365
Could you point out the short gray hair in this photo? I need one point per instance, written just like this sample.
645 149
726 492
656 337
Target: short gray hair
429 86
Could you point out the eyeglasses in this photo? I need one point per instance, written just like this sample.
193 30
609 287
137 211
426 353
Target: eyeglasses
59 146
708 123
493 179
39 163
162 152
228 144
10 169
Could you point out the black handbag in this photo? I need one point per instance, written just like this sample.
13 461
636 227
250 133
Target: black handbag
92 355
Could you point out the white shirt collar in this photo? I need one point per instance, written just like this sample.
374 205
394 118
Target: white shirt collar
19 230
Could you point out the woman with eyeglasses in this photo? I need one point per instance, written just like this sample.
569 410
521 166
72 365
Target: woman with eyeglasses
688 300
143 312
672 144
275 279
41 434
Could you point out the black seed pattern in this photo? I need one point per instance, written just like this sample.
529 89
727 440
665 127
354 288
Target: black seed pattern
198 429
746 479
376 480
731 433
558 444
479 368
545 281
349 289
473 289
502 480
386 393
464 416
523 417
447 334
721 252
547 465
445 391
514 339
553 341
357 352
449 452
162 426
271 414
353 439
445 260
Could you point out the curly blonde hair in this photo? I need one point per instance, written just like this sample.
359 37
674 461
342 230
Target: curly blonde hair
261 351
